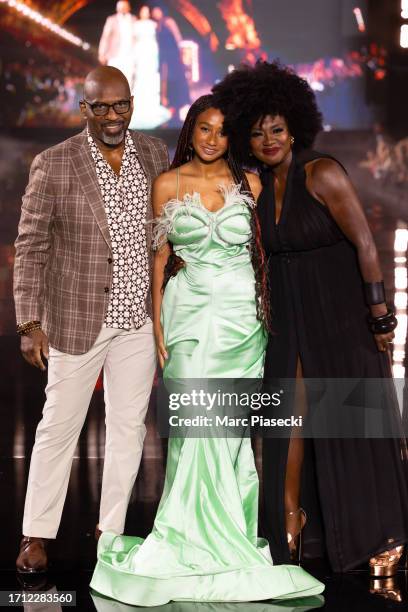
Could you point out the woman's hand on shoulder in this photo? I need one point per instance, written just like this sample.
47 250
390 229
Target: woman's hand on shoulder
254 183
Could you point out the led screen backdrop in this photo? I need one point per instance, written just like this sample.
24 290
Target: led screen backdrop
173 51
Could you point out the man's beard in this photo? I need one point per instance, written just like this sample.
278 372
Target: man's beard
113 139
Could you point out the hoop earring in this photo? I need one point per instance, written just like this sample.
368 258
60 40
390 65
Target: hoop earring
190 153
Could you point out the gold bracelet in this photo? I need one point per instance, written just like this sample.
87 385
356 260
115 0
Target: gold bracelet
27 330
27 324
27 327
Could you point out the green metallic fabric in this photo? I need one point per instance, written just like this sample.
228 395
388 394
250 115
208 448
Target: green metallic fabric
204 545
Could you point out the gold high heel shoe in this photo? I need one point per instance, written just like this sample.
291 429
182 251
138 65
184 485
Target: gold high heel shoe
387 588
385 564
295 539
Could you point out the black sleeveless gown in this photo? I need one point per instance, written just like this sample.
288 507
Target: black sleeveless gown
355 491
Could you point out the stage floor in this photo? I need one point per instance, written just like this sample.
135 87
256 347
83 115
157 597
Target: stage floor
348 593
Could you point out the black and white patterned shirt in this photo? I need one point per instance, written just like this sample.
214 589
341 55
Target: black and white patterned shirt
125 200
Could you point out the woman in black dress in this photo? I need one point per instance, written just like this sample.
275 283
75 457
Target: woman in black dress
325 278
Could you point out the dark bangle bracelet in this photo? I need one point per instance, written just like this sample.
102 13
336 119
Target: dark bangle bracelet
374 293
383 324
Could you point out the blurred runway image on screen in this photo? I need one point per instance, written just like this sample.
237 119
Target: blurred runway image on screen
118 39
148 111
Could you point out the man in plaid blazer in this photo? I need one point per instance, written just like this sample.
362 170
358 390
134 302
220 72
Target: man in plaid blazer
81 286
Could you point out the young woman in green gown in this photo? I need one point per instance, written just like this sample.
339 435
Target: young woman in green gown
209 324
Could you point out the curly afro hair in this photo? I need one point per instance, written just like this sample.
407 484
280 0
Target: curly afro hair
250 93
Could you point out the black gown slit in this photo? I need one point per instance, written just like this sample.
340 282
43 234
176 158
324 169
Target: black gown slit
355 491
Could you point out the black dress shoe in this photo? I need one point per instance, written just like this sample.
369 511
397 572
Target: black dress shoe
33 582
32 558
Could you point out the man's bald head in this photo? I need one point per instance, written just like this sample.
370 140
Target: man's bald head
107 92
106 80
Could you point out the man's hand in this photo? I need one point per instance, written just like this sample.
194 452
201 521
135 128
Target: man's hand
34 346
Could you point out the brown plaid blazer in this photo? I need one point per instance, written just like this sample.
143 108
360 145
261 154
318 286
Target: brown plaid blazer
63 270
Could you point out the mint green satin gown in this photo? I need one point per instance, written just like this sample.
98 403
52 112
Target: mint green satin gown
204 544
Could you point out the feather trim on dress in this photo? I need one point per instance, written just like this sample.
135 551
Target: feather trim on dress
164 225
233 195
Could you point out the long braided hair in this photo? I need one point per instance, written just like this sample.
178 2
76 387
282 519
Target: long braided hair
184 153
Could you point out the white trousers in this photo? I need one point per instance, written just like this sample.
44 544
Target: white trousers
128 359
